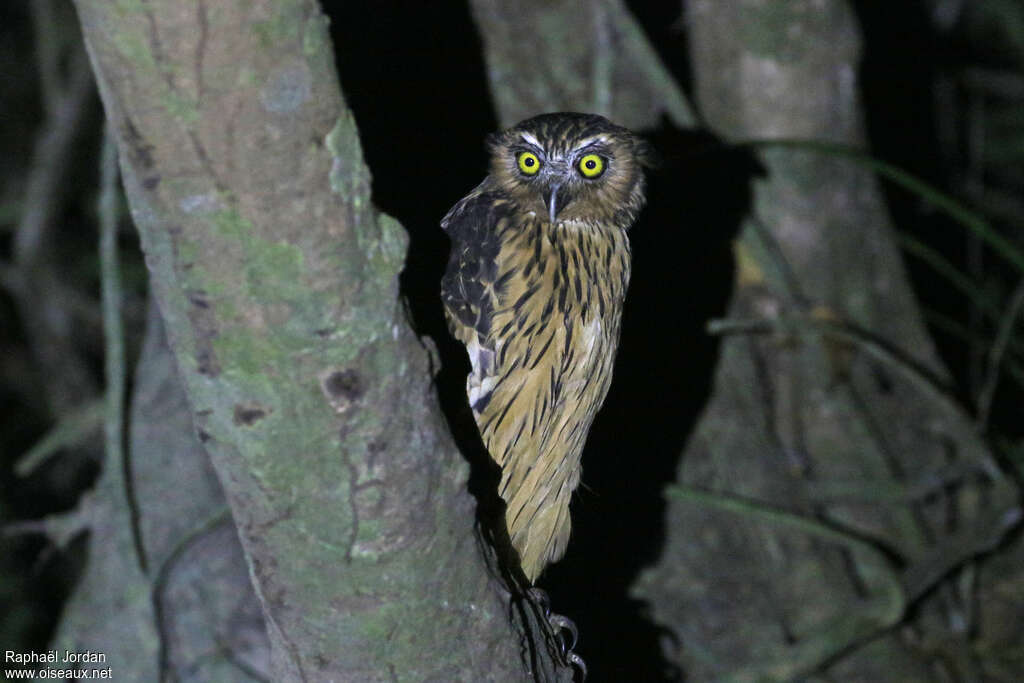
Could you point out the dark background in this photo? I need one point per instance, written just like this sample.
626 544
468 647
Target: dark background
413 75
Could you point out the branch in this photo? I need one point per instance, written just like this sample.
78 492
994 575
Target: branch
996 353
277 283
33 281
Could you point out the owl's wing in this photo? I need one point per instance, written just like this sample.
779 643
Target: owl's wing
467 289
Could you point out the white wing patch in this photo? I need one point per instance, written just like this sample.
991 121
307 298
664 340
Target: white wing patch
479 383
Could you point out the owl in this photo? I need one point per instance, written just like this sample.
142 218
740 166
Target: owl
534 288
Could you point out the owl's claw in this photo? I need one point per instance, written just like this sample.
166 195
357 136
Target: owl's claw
578 662
559 624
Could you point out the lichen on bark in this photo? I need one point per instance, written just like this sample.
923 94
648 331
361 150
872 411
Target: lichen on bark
277 281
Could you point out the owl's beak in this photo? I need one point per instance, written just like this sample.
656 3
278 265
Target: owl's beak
553 205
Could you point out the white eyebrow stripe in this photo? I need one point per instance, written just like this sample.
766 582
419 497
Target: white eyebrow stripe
532 140
589 141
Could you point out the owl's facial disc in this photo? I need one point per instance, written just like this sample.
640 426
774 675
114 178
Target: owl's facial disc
548 176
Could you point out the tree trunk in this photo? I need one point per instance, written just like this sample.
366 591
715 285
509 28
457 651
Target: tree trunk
831 483
276 280
570 56
829 505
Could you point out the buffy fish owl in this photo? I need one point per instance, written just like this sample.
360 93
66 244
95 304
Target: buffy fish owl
534 288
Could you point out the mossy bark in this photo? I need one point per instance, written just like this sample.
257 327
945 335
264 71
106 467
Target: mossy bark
277 283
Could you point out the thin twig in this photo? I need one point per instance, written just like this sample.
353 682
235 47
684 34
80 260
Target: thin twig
113 332
25 527
71 430
32 277
163 573
50 163
753 509
995 356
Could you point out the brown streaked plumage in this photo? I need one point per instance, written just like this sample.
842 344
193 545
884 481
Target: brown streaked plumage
534 288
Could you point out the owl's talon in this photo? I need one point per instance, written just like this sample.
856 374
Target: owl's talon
577 662
560 623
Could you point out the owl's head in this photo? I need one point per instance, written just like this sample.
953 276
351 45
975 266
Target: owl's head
570 166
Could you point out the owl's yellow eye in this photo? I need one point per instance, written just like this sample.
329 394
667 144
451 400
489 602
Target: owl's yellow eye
591 166
528 163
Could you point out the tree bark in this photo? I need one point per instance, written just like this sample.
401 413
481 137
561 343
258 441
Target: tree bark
570 56
180 606
276 280
831 483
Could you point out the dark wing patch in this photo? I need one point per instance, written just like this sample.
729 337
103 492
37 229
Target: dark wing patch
469 281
